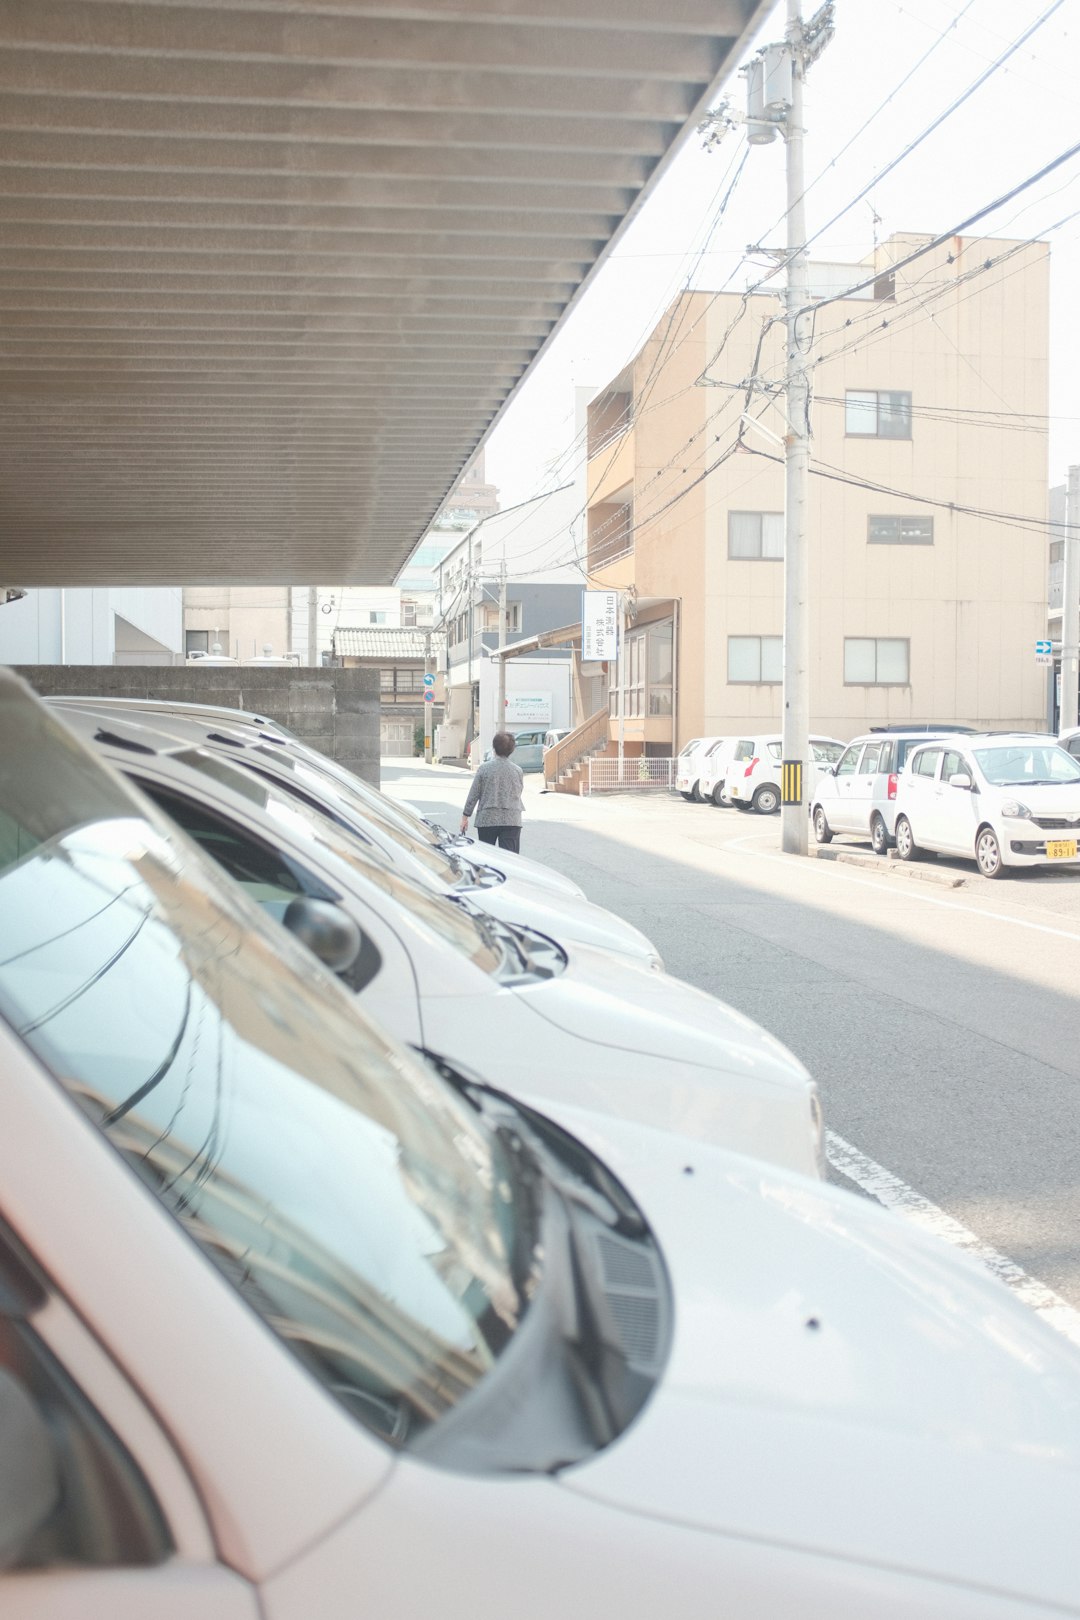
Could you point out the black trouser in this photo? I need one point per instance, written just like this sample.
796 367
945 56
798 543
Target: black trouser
505 837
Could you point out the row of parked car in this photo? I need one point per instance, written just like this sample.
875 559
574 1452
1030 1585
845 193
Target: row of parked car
1001 799
743 772
381 1225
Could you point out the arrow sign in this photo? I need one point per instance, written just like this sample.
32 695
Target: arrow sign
429 680
1043 648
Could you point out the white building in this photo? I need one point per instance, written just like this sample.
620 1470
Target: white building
90 625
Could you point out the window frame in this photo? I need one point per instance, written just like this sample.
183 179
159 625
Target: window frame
891 411
899 519
904 641
760 555
760 679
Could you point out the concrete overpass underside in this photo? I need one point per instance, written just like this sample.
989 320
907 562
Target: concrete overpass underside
269 270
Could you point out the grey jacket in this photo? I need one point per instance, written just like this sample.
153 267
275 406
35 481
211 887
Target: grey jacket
495 794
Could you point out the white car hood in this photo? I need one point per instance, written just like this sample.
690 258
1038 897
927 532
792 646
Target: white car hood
519 867
1062 799
842 1383
564 919
612 1003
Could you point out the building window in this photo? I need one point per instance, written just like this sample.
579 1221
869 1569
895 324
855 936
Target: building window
408 614
647 669
755 660
376 618
877 415
513 617
196 641
900 531
756 536
876 661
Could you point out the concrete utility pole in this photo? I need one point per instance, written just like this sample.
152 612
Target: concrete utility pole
796 715
428 707
312 625
1070 603
774 104
500 708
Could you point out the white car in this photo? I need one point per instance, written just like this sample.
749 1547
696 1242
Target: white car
1070 741
295 1325
445 871
204 724
859 793
687 767
753 776
1002 799
714 769
553 1021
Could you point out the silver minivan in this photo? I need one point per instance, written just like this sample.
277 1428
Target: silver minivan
858 794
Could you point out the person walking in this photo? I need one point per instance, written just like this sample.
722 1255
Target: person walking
495 795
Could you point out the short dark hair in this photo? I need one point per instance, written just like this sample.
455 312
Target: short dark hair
503 743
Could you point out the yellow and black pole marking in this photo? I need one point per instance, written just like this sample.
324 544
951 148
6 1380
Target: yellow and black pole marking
791 781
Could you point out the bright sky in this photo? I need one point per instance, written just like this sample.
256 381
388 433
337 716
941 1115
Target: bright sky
1021 118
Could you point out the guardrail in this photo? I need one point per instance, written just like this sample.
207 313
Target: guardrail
640 774
572 749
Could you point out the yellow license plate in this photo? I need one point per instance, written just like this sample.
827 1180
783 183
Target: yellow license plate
1061 849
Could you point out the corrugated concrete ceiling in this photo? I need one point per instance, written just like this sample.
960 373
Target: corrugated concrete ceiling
269 269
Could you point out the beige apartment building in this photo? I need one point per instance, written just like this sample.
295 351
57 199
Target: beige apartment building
926 514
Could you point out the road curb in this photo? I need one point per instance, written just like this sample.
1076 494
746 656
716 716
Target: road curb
891 867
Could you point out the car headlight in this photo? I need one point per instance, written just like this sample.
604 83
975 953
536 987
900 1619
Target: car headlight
1015 810
817 1128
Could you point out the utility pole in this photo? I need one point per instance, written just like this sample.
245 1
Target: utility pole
312 625
1070 602
794 824
500 711
774 83
428 707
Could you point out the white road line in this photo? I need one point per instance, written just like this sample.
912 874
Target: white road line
895 1194
872 883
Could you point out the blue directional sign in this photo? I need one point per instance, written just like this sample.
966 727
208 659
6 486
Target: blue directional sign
1040 647
429 680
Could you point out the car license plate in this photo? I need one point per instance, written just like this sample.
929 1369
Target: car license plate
1061 849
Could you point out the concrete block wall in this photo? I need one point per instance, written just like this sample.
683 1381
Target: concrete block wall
334 710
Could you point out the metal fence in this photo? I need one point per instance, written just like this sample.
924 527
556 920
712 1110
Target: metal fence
609 774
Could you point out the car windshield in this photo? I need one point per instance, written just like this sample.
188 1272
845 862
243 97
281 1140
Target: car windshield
349 1195
1017 764
294 814
351 791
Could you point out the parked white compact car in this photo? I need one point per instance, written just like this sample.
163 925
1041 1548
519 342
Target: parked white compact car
204 724
687 767
1000 799
295 1324
550 1020
753 776
858 794
714 769
443 870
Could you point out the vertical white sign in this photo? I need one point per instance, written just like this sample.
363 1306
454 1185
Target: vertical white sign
599 625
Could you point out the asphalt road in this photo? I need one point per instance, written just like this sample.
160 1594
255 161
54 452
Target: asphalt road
938 1011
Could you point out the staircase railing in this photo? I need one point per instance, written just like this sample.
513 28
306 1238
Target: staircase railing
576 746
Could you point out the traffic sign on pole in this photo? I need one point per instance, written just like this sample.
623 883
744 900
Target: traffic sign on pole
1044 652
429 696
429 680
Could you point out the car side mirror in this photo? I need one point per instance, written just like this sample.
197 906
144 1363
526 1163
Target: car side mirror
29 1476
961 780
327 931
